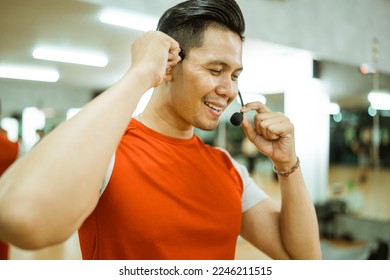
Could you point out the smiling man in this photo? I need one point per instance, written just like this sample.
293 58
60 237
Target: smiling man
148 187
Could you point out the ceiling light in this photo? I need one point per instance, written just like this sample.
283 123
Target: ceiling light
67 56
28 73
129 19
379 99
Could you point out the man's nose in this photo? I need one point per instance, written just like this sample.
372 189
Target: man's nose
227 88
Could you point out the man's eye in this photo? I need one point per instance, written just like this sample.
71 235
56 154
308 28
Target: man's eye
215 72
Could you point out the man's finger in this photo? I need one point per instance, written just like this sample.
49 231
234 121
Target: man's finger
249 129
255 106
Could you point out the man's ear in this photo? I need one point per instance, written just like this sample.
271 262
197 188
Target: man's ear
168 75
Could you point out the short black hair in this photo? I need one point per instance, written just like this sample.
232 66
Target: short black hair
187 21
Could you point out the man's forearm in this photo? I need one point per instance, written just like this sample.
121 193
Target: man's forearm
298 221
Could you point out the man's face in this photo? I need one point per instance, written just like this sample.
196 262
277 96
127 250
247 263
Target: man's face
208 80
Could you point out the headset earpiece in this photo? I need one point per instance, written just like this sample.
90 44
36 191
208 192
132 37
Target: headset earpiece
182 54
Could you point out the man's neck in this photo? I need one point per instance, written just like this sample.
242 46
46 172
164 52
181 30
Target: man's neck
164 124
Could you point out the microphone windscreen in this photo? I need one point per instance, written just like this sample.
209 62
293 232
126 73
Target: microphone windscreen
237 118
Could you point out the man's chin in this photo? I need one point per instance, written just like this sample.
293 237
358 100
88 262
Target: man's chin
208 126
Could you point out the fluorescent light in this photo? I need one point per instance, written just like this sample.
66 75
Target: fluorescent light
379 99
128 19
28 73
68 56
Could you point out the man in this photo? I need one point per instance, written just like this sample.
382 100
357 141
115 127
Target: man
8 154
164 194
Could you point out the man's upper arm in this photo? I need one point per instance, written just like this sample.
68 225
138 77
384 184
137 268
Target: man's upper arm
260 227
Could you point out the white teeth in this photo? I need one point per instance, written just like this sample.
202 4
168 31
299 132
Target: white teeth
213 106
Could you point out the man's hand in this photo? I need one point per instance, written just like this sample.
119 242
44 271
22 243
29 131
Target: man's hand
154 54
272 133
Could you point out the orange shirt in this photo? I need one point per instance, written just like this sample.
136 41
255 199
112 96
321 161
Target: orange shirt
167 198
4 248
8 154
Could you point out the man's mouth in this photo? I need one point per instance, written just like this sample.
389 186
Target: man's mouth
214 107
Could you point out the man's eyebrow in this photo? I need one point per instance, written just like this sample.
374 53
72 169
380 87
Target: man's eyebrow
224 64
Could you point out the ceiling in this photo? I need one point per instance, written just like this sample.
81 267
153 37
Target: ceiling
27 24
